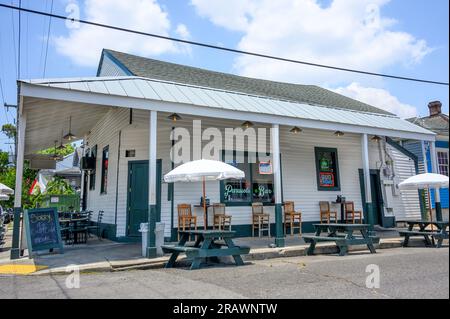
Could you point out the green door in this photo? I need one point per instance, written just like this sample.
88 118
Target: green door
377 197
138 195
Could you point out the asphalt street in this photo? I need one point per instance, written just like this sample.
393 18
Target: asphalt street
403 273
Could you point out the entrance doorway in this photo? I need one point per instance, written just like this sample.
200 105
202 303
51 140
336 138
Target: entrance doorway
377 197
137 199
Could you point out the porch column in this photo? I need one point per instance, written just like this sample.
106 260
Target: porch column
434 169
422 193
368 190
83 153
21 125
151 248
279 236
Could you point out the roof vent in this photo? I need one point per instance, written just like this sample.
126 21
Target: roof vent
435 108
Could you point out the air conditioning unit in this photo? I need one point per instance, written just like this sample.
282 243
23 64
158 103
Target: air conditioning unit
87 163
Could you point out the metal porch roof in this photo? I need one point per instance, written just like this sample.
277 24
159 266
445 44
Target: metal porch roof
157 90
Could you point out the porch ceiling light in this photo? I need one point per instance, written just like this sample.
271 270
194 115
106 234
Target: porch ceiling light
69 136
295 130
339 133
247 124
174 117
376 138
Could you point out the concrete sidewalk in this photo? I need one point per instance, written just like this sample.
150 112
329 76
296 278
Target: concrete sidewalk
104 255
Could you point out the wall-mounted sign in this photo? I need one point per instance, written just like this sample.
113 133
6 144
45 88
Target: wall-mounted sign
324 164
54 199
326 179
265 168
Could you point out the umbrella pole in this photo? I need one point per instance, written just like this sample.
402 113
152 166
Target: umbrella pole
205 217
431 209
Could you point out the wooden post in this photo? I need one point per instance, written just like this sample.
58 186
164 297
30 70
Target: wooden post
367 186
437 194
21 123
151 248
205 219
279 235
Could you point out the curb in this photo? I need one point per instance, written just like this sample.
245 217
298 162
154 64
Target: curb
255 254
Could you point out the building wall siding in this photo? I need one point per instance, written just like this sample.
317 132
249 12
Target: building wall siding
298 169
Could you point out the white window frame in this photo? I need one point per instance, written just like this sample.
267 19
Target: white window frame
442 150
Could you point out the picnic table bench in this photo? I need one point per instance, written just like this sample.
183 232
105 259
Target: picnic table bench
440 233
206 246
343 235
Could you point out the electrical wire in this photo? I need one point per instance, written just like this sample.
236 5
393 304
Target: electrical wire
228 49
48 38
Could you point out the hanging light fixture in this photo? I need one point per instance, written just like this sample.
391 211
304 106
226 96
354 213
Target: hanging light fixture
174 117
69 136
295 130
376 138
55 156
339 133
246 125
61 146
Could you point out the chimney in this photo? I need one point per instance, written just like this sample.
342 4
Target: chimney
435 108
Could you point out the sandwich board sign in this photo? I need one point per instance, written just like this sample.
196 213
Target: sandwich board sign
42 230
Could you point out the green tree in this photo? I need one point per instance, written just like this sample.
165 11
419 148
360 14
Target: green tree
4 160
68 149
9 130
59 186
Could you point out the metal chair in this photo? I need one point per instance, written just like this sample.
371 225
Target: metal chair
221 220
291 218
97 226
326 213
260 220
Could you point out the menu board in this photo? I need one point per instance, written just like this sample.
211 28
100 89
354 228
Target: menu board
42 229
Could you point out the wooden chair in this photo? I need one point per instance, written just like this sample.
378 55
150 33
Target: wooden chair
185 218
326 213
260 220
221 220
351 214
291 217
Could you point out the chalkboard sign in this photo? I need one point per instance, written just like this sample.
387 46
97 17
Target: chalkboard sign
42 229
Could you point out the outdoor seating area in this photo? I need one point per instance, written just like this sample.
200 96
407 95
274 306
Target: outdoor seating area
77 227
343 235
429 230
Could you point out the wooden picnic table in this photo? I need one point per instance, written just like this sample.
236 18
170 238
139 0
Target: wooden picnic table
343 235
206 246
440 233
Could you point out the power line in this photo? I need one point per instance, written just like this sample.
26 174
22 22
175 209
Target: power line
19 54
48 36
227 49
14 40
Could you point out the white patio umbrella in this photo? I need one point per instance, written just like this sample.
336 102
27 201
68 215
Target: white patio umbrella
4 197
203 170
5 190
427 180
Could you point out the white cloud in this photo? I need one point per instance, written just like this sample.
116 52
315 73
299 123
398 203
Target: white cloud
84 44
348 33
380 98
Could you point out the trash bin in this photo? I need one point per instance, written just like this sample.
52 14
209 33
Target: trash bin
159 237
144 231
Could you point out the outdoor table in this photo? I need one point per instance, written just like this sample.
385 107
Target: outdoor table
342 206
73 224
440 233
343 235
206 246
205 215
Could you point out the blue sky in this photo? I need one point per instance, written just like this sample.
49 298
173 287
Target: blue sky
404 37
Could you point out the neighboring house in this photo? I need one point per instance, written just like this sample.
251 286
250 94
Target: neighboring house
329 144
436 122
67 168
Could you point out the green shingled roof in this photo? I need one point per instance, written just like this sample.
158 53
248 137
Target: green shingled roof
310 94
